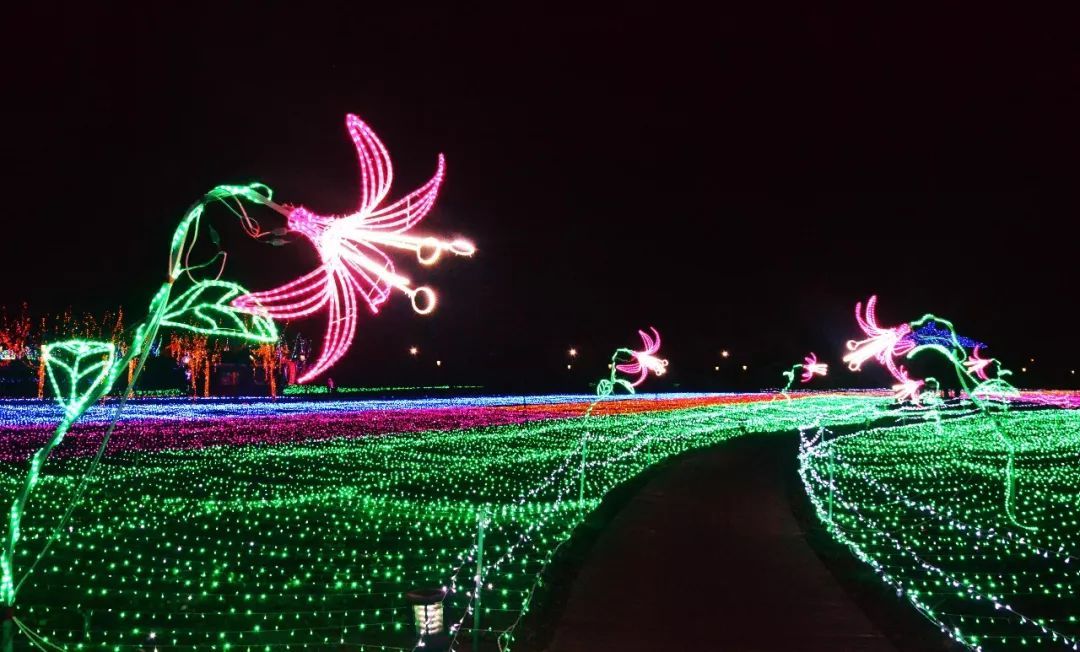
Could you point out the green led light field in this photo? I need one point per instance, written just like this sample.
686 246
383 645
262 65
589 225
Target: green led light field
923 504
312 545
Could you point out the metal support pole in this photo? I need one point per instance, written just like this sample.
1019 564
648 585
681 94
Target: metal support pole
830 482
581 479
481 524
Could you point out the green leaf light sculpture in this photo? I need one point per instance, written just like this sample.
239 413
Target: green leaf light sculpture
205 309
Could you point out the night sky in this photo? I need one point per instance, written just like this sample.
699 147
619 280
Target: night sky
739 181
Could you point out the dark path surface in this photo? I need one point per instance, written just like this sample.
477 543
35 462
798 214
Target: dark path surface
709 556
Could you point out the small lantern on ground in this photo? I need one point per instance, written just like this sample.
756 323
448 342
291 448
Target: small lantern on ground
427 605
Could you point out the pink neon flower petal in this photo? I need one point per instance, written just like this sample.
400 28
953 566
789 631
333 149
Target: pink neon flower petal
907 388
977 365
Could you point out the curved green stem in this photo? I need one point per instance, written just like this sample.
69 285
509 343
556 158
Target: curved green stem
139 348
790 375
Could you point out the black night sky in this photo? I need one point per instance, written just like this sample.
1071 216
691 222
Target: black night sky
737 180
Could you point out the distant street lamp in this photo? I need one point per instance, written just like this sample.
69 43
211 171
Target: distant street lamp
744 367
413 350
438 363
724 353
569 366
573 352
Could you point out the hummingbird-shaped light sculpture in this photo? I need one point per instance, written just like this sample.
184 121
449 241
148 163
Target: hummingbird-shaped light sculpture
354 267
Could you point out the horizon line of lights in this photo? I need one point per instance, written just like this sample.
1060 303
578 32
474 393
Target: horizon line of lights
319 421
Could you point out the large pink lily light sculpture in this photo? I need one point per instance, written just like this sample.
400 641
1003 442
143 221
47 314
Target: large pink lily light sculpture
353 266
883 345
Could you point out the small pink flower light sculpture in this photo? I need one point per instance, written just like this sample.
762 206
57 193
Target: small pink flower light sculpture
976 365
645 360
354 266
907 388
884 345
811 367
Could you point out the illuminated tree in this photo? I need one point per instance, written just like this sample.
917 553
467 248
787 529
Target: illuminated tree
265 358
15 333
193 354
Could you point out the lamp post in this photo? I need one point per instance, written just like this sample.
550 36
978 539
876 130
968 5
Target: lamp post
427 606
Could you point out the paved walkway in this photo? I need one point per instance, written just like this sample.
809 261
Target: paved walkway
708 556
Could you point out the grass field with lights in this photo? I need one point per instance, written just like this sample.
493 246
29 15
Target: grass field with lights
303 525
923 503
310 536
